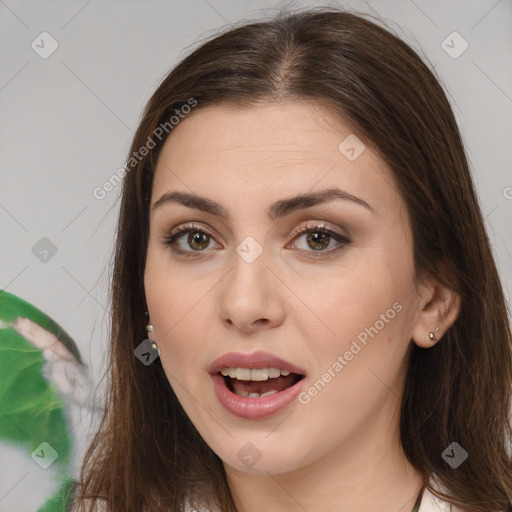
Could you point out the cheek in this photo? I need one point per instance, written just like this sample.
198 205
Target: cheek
179 336
365 311
174 298
355 298
173 306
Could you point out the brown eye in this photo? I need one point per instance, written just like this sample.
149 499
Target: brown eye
318 241
198 240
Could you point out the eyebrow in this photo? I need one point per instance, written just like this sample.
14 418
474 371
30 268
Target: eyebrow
276 210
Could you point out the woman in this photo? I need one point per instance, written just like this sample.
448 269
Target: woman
300 236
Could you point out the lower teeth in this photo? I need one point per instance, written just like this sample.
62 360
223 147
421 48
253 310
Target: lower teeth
254 395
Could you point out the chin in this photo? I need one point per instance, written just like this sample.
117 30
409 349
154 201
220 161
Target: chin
257 452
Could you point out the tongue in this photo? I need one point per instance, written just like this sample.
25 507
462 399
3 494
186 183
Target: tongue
277 384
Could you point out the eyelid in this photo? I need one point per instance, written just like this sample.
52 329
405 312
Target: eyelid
318 224
342 241
170 238
297 230
187 227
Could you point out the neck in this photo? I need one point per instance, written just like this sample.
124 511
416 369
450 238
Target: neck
356 476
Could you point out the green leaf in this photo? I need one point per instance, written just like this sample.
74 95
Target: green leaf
61 501
12 307
30 409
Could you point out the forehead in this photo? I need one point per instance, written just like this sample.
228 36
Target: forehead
266 128
269 147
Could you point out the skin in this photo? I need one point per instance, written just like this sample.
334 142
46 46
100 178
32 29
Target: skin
341 450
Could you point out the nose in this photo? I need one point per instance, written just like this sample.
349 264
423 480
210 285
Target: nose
251 296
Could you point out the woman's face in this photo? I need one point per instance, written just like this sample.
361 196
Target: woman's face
321 287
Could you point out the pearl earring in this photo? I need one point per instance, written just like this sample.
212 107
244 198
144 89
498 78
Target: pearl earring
149 328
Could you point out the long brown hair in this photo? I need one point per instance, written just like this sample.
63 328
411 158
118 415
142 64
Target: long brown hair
147 454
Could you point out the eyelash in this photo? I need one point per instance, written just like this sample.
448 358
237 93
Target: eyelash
304 228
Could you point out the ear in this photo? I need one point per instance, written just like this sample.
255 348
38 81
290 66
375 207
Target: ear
439 308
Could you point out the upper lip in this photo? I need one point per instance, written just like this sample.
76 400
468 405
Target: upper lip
253 360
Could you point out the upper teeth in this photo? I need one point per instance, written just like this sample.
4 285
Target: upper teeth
253 373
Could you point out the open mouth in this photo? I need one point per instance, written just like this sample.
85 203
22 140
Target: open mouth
258 382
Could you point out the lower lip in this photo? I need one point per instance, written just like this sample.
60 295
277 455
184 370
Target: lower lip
255 408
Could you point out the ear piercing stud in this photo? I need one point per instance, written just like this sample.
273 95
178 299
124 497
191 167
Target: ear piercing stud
432 335
149 327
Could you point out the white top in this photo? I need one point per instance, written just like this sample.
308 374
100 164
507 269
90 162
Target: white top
431 503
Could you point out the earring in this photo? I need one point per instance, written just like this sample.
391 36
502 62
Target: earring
149 328
432 335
